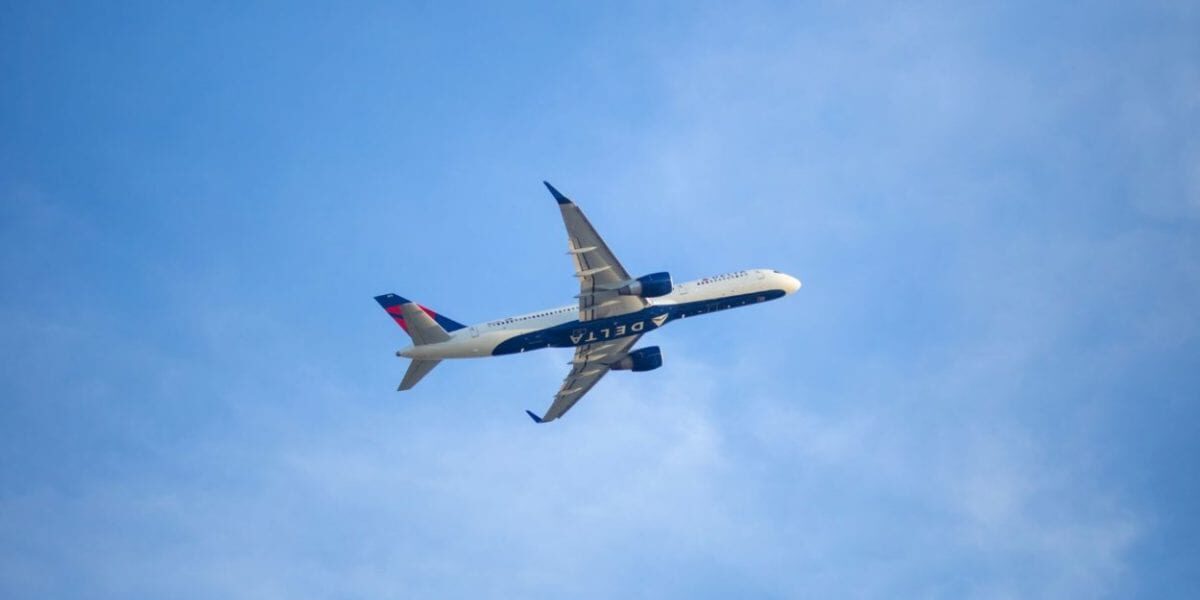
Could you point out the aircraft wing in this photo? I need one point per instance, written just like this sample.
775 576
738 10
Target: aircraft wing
591 362
598 270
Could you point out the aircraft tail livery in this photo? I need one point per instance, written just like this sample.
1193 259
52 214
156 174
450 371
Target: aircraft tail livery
424 327
395 306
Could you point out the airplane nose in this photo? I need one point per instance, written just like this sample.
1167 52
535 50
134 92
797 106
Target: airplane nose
790 284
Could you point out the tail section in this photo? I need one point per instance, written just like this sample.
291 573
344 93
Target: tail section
416 370
393 303
424 327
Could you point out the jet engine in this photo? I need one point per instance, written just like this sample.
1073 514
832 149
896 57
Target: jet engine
643 359
648 286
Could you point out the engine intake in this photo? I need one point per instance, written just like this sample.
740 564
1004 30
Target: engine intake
643 359
648 286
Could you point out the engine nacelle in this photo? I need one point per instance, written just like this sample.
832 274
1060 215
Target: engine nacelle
643 359
648 286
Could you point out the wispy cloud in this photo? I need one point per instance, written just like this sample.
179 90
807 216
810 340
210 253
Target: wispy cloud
993 212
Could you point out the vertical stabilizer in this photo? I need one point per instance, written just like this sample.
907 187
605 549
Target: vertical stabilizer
392 303
423 325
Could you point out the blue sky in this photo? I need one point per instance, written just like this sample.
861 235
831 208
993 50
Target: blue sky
987 388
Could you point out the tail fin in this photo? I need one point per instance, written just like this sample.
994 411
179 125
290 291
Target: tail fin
416 370
396 306
424 327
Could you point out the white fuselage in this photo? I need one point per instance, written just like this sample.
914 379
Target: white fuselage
701 296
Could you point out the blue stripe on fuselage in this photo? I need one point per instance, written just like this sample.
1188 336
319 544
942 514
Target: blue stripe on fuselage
575 333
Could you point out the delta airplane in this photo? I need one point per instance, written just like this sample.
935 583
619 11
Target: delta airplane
613 312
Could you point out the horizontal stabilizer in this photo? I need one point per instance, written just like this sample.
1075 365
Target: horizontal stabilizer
421 327
416 370
392 303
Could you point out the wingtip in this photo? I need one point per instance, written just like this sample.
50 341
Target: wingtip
557 194
536 419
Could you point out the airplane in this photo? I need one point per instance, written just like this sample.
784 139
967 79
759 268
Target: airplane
614 310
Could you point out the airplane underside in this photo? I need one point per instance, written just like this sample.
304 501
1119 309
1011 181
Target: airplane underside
575 333
615 309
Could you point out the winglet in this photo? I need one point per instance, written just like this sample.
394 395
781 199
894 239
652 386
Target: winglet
557 194
536 419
